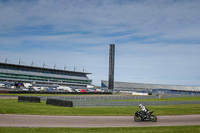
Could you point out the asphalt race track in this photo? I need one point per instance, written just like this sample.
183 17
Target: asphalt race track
10 120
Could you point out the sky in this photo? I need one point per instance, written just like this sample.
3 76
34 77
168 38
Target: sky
156 41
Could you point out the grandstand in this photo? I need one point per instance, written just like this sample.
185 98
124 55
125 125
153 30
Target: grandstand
153 88
13 73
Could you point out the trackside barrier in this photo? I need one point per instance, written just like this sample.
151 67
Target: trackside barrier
57 102
96 98
29 99
3 92
109 97
129 103
111 100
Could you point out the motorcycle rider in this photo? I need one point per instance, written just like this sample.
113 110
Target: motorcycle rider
144 110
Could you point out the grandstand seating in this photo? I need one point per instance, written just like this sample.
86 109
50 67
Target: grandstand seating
43 75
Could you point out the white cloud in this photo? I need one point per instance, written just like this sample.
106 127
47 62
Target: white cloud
146 18
156 41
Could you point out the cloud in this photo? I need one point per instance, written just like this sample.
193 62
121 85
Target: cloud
156 41
145 17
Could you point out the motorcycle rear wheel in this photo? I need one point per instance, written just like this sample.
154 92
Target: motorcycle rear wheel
153 118
137 118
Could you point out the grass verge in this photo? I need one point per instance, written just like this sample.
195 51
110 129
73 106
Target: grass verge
164 129
12 106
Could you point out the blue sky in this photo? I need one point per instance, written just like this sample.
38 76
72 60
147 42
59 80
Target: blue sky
155 41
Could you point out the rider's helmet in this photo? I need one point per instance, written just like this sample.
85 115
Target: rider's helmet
140 106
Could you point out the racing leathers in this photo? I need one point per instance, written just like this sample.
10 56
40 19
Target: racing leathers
144 110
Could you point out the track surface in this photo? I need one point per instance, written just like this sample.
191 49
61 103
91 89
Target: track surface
7 120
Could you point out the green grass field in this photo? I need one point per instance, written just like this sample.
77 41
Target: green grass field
12 106
164 129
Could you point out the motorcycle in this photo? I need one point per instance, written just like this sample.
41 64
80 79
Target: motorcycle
140 116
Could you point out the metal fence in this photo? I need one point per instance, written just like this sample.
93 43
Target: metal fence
97 98
100 101
128 103
110 97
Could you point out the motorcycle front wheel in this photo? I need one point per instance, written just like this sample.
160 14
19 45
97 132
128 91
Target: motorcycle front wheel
153 118
137 118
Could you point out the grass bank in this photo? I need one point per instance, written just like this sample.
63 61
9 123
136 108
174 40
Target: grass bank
164 129
12 106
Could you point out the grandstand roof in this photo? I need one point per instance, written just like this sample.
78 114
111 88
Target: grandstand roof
39 68
144 86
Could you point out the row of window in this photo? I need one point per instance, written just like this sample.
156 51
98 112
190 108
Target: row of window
47 79
43 71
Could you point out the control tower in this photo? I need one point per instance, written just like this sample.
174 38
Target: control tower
111 68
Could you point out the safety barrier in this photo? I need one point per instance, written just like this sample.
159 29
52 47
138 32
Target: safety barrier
98 101
57 102
110 97
97 98
128 103
28 99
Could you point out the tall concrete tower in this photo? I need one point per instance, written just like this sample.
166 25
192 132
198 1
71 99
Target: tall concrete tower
111 68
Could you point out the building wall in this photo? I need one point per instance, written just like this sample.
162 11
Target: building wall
154 88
